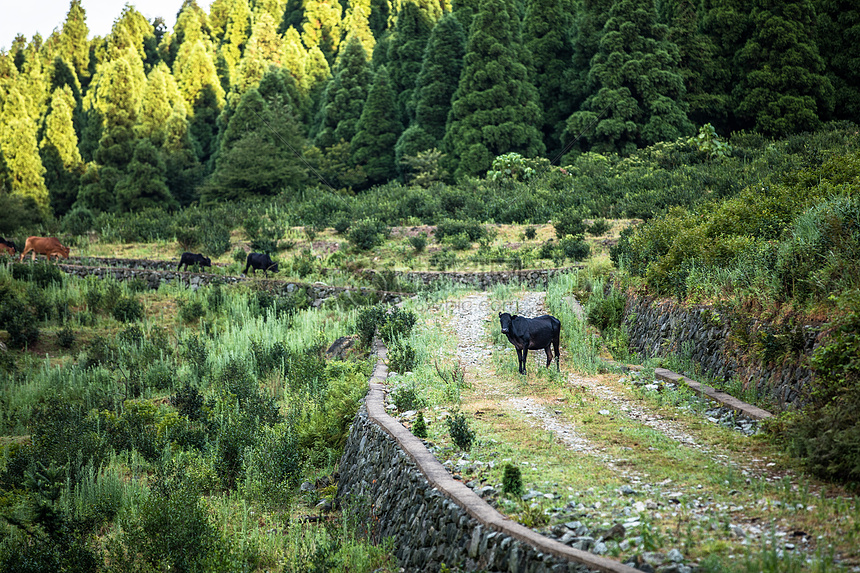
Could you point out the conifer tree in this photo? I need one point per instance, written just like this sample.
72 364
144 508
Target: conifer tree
321 26
405 55
783 88
236 33
74 47
637 92
704 79
258 155
436 83
219 15
198 82
838 31
344 97
545 27
589 21
143 184
317 75
265 48
356 23
377 132
20 151
59 152
494 109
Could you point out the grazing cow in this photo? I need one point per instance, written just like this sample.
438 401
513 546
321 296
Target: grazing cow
6 249
9 244
532 334
48 246
193 259
259 261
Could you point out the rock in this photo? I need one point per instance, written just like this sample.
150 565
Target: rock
675 556
615 533
307 486
340 348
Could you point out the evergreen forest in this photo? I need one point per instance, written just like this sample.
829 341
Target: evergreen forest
259 98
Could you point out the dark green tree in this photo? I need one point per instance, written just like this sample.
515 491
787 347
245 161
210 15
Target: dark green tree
435 86
143 185
377 131
783 88
259 152
637 93
495 108
838 34
344 97
547 38
406 54
74 47
59 153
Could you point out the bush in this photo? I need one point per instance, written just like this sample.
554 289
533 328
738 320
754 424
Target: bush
419 428
79 221
41 273
368 233
128 309
401 357
599 227
574 248
396 325
530 233
191 311
366 323
512 481
569 222
17 319
443 259
418 242
66 337
459 431
453 229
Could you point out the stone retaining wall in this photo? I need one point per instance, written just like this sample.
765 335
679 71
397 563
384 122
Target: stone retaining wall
533 278
153 278
657 328
433 519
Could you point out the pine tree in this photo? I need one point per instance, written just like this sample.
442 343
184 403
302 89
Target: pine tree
74 47
405 55
344 97
377 131
159 97
783 88
264 49
20 151
545 26
236 33
321 26
589 21
637 92
59 152
258 155
198 82
838 31
436 83
357 25
704 79
143 185
494 109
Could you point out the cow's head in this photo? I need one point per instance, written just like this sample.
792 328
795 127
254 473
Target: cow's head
273 268
506 320
207 262
64 251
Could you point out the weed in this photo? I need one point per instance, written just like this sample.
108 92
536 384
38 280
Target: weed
458 429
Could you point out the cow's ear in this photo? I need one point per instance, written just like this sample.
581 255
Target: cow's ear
500 314
513 317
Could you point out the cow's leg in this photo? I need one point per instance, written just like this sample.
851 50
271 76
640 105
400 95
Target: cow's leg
519 361
555 347
548 351
525 360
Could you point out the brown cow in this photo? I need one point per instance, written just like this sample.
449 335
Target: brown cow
6 250
48 246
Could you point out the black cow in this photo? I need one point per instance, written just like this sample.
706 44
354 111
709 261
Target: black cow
193 259
259 261
9 244
532 334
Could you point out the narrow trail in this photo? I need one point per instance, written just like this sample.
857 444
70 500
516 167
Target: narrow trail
469 320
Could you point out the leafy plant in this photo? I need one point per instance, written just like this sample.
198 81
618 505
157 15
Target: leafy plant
368 233
419 427
458 429
128 309
401 357
512 481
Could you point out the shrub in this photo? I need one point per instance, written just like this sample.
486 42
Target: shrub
368 233
128 309
569 222
17 319
215 239
406 395
418 242
41 273
574 247
530 233
419 427
449 228
191 311
79 221
342 224
599 227
396 325
159 376
443 259
459 430
459 242
273 466
366 323
512 481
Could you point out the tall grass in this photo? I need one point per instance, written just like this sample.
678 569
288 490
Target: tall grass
582 345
